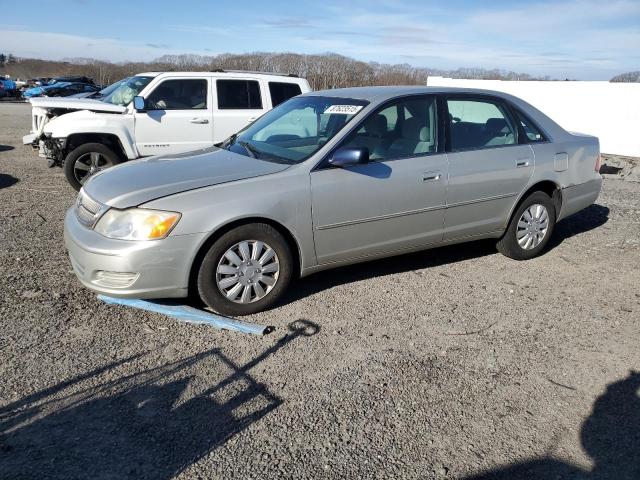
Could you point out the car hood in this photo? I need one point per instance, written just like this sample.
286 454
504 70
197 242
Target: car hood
140 181
77 104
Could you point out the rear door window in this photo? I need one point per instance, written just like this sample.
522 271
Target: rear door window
477 124
179 94
238 95
281 92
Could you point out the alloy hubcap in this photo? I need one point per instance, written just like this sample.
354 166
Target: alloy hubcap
532 226
247 271
89 164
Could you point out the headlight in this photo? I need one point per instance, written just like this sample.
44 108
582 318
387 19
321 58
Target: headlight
137 224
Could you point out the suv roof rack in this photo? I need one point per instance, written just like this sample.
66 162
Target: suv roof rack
222 70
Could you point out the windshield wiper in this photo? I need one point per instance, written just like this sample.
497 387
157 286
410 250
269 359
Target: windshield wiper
229 141
250 148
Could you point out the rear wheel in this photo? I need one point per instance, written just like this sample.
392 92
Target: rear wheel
246 270
530 228
86 160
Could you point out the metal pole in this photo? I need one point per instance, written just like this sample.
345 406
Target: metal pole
188 314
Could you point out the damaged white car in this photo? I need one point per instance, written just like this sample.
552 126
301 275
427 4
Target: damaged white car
173 112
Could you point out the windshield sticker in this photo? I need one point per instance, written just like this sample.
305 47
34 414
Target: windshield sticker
344 109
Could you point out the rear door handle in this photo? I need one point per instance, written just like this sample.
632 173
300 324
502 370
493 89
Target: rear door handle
431 176
252 119
522 162
199 120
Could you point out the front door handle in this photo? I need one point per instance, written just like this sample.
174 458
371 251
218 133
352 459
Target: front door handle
199 120
522 162
431 176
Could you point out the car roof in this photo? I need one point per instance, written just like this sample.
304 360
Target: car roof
381 93
225 73
377 95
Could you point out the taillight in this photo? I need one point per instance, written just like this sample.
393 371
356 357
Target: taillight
598 163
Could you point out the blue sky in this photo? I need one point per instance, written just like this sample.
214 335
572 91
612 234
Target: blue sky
585 39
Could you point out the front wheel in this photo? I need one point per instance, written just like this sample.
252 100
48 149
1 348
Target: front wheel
530 228
246 270
86 160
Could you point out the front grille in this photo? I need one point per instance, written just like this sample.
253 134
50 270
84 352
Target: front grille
38 122
88 210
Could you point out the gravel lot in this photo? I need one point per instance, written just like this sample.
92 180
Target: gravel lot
452 363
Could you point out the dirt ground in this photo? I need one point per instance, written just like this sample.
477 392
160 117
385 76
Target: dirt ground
451 363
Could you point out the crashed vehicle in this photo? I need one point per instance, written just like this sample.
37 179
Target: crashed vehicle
101 93
60 89
174 112
8 88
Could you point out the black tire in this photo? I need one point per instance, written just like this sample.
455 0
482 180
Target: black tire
508 245
88 151
208 286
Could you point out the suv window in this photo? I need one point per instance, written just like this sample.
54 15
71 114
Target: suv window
476 124
179 95
405 128
281 92
239 95
532 132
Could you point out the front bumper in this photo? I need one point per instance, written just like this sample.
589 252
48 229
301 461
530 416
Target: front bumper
29 139
162 266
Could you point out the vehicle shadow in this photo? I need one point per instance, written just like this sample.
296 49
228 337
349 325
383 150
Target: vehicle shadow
610 436
591 217
150 424
6 148
7 180
435 257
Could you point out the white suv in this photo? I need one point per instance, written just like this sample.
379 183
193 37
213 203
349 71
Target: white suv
173 112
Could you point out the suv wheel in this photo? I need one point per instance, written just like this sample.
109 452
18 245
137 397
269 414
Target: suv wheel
86 160
530 228
246 270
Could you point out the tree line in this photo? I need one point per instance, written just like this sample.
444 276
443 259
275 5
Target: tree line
323 71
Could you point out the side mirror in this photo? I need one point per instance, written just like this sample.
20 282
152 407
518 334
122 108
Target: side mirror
349 156
138 104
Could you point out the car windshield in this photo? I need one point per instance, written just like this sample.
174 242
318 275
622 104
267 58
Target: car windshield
296 129
108 90
123 95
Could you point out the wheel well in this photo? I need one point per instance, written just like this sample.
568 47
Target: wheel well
110 140
288 236
551 189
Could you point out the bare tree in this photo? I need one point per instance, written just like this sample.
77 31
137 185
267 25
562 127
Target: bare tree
329 70
629 77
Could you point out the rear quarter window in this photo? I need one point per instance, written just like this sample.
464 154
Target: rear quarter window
531 130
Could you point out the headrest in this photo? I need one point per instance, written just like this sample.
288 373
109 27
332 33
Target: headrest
376 125
496 124
415 129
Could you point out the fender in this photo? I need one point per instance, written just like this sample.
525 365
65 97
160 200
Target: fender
97 123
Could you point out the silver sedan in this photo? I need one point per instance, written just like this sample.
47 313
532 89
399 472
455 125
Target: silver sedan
327 179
